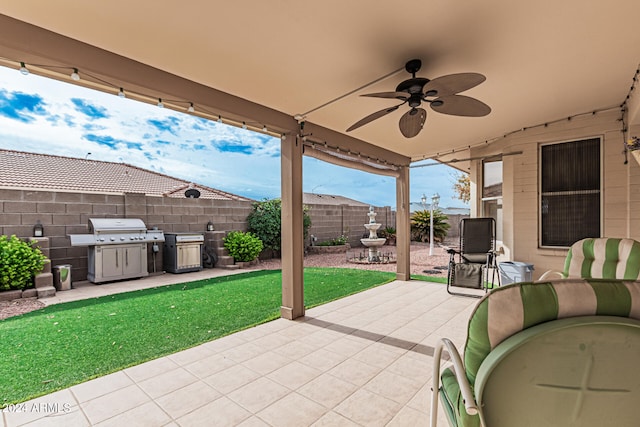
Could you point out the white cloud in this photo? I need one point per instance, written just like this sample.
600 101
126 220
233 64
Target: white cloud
193 149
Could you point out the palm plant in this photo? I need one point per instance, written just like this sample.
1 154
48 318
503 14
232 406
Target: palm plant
420 226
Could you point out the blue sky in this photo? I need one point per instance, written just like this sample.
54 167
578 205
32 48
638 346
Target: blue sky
41 115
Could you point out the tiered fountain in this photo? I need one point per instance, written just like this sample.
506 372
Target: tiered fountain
373 242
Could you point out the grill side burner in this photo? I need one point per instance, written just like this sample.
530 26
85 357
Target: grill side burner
117 249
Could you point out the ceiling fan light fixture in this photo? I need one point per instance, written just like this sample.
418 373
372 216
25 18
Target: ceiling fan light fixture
413 91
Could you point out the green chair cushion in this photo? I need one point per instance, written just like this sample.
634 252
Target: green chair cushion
510 309
604 258
452 402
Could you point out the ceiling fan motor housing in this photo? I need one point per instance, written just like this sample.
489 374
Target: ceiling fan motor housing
444 98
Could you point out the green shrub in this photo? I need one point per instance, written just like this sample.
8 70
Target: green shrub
387 232
20 261
265 222
243 247
420 223
337 241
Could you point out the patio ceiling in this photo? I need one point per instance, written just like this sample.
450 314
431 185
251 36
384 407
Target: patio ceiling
544 60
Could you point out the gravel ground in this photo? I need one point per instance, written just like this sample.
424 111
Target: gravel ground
420 261
18 306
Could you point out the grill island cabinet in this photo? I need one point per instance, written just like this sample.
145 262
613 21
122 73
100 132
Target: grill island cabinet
183 252
117 249
117 262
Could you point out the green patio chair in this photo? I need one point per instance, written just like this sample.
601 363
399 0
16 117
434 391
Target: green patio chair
601 258
561 353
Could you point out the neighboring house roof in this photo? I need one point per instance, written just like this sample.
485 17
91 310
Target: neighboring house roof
416 206
329 199
47 172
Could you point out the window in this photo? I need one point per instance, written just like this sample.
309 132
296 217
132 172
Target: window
570 192
492 192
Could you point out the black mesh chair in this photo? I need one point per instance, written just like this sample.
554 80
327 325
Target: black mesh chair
469 265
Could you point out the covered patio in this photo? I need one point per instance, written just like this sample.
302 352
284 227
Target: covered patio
362 360
556 72
296 70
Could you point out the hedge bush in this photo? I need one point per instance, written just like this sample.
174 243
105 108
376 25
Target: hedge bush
265 222
20 261
243 247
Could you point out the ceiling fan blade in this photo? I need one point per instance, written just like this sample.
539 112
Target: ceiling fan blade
412 121
372 117
452 84
394 95
460 105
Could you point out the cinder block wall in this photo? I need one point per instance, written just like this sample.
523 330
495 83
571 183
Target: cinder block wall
331 221
64 213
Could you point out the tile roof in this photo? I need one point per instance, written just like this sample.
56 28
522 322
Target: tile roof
329 199
48 172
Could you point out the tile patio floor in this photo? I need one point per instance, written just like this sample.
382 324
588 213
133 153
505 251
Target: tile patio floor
364 360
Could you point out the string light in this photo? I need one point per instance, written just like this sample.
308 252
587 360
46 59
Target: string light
528 128
326 148
107 86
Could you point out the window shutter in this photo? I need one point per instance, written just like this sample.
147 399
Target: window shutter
570 192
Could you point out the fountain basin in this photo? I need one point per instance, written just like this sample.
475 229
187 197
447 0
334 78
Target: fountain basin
369 242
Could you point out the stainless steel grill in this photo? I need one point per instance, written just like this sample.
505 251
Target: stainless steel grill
183 252
117 248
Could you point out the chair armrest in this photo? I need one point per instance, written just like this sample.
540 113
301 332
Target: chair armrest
461 377
550 273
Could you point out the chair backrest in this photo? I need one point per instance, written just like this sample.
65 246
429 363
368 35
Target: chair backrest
514 315
604 258
477 236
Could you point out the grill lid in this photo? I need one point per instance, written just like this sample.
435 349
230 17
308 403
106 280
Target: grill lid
114 231
115 225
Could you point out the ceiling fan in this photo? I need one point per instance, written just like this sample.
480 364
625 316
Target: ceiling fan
441 93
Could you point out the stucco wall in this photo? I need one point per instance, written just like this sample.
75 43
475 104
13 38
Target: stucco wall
620 186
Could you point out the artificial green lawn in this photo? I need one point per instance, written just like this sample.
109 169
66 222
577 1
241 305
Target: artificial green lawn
66 344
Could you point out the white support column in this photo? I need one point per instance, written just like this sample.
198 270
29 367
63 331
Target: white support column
292 230
403 225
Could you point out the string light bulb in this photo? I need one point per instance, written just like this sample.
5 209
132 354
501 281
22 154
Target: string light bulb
191 109
75 76
160 104
23 69
219 119
283 137
121 93
244 126
264 128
